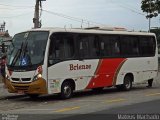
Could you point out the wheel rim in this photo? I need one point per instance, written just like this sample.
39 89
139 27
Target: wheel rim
67 91
127 84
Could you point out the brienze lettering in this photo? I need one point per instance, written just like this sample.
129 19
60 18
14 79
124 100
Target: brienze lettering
79 67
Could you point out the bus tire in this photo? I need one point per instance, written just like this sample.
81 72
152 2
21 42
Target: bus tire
66 90
127 84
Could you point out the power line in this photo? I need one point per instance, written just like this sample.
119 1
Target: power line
15 6
132 10
24 14
129 8
72 18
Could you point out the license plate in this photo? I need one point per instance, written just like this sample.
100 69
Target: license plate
20 92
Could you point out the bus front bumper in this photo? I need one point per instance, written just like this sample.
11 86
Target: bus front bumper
36 87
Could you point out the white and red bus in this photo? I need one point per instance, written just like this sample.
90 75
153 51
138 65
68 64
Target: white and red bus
57 60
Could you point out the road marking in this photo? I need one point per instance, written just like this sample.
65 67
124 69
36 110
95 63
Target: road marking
114 100
38 109
89 100
67 109
152 94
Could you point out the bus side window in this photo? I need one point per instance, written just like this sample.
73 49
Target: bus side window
114 44
83 47
69 47
129 46
94 47
147 46
104 51
56 48
61 47
109 46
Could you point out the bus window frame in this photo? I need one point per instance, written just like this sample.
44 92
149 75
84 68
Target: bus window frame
78 56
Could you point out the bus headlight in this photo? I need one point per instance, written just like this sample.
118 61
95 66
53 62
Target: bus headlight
7 77
37 76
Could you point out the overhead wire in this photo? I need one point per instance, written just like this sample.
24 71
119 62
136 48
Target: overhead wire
72 18
14 8
128 8
132 10
24 14
15 5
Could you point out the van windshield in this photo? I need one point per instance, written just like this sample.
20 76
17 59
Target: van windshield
27 49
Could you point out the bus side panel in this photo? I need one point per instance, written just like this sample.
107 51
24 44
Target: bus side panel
88 74
101 73
142 69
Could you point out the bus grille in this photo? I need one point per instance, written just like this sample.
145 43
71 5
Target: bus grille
26 79
16 79
21 88
21 79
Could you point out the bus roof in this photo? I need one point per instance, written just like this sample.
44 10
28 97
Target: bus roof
81 30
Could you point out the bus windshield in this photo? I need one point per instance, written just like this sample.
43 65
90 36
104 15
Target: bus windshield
27 49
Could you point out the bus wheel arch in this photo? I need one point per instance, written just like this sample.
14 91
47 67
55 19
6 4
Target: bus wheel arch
127 81
67 88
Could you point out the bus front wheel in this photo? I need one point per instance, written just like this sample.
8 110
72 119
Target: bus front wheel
66 90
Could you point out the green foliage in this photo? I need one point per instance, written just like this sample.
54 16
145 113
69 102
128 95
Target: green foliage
151 7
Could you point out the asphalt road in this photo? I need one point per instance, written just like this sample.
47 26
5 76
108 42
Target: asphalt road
139 111
84 105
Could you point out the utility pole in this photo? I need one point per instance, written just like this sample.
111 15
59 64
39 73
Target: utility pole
36 15
36 21
149 25
149 16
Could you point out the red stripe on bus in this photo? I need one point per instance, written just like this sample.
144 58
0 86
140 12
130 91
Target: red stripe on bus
105 73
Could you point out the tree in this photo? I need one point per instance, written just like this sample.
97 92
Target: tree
158 6
152 8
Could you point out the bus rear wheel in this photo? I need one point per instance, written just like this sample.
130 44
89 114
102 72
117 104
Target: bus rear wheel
127 85
66 90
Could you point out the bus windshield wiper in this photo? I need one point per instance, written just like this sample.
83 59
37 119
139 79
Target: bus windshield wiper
25 55
18 54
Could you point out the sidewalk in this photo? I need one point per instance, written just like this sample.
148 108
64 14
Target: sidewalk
3 91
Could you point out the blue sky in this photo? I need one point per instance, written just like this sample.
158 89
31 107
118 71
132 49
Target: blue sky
18 14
